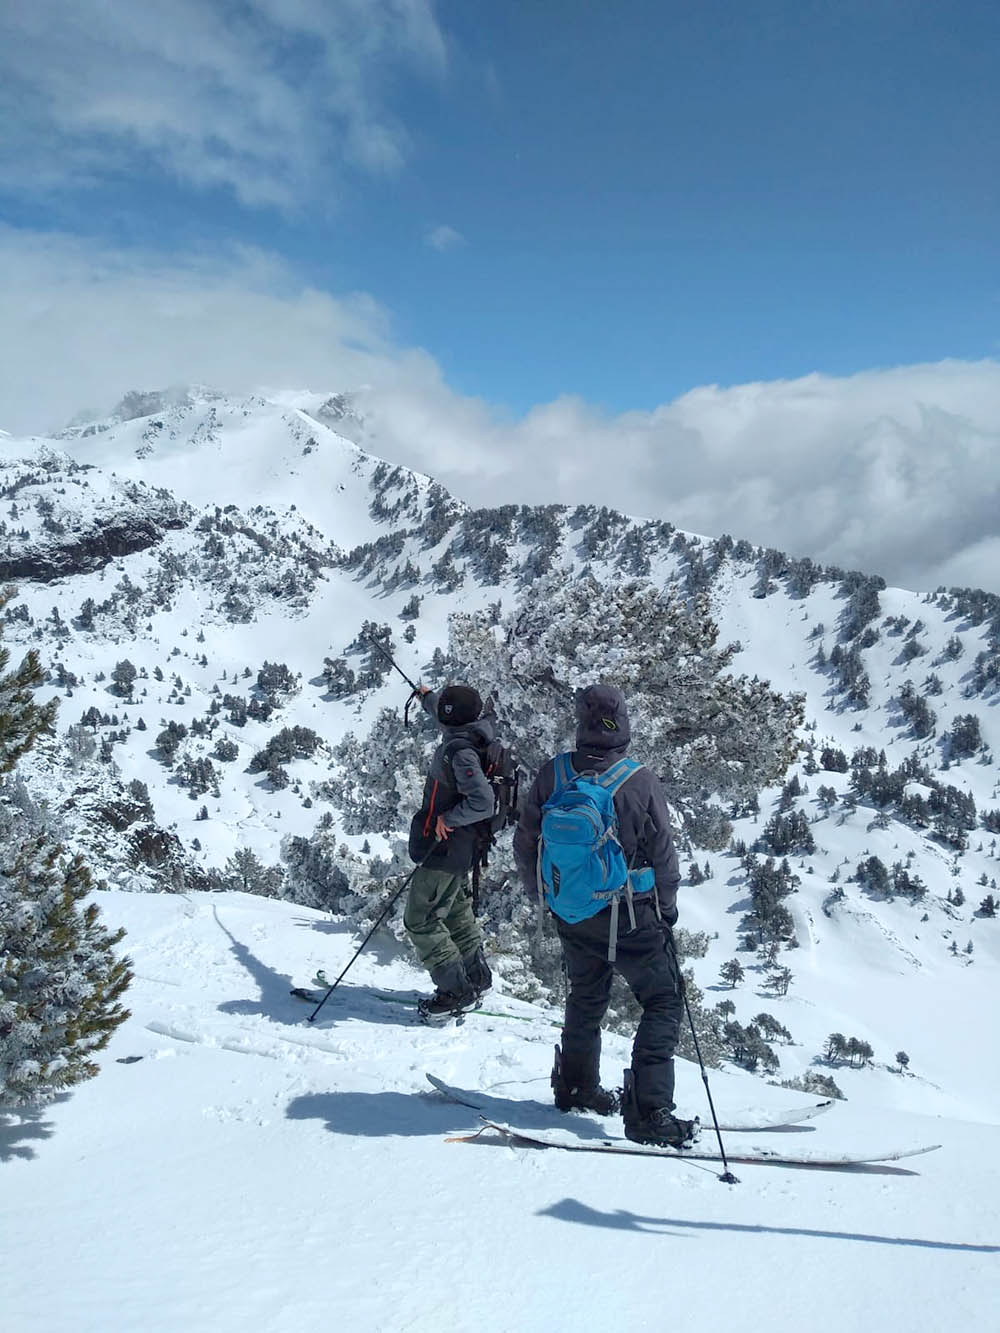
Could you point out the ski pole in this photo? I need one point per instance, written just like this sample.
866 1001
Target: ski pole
727 1176
392 662
357 953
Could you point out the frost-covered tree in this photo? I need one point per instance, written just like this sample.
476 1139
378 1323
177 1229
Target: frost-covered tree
379 778
22 720
60 980
706 733
80 745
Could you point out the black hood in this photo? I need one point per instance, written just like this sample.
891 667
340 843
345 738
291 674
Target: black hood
601 719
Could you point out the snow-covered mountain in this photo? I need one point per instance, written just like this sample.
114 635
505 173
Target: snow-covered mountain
196 573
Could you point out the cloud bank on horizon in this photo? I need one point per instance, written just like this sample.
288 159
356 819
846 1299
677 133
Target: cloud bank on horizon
892 471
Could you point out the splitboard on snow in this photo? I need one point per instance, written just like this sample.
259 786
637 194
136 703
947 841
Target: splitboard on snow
751 1121
559 1138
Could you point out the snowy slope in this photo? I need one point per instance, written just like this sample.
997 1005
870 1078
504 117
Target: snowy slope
211 450
283 1174
253 1171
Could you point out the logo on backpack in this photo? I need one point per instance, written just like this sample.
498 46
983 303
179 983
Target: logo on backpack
581 864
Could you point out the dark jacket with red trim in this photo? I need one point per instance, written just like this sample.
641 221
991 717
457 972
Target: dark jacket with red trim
457 788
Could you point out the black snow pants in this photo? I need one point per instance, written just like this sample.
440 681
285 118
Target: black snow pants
647 963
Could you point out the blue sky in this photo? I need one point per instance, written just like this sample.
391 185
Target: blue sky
649 196
528 234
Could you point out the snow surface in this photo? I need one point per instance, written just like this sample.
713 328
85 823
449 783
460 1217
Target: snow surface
251 1171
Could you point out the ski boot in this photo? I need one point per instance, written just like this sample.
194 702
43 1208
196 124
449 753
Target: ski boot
477 970
657 1126
454 994
603 1101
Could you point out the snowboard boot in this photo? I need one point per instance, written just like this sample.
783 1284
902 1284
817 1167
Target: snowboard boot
655 1125
578 1097
454 993
477 970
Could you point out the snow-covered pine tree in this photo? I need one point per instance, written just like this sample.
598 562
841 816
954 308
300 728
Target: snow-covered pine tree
705 732
60 981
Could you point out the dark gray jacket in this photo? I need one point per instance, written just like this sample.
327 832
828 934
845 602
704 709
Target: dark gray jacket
602 738
455 787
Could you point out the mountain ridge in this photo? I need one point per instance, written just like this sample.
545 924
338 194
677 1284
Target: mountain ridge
313 538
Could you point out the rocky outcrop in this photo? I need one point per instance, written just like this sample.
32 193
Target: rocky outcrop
85 551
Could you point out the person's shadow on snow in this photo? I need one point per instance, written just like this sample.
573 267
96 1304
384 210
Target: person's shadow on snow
275 1001
383 1114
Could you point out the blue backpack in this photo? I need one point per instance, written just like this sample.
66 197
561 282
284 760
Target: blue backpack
581 864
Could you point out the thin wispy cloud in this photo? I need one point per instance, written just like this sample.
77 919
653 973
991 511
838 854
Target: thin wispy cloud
444 238
895 472
267 100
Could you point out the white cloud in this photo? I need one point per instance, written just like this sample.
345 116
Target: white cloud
271 100
81 325
895 472
444 238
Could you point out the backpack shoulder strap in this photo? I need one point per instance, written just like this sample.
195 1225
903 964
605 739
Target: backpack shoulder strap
562 769
452 748
615 777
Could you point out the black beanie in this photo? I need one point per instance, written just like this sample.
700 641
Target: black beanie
458 704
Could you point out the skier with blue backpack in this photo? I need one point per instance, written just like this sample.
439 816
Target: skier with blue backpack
594 842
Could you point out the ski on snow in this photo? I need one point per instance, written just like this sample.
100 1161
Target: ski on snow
750 1122
556 1138
315 996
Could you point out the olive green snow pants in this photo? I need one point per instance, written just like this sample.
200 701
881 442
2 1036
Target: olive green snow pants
439 917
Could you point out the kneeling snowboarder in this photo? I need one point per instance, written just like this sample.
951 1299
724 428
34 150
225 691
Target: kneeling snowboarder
594 843
439 916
